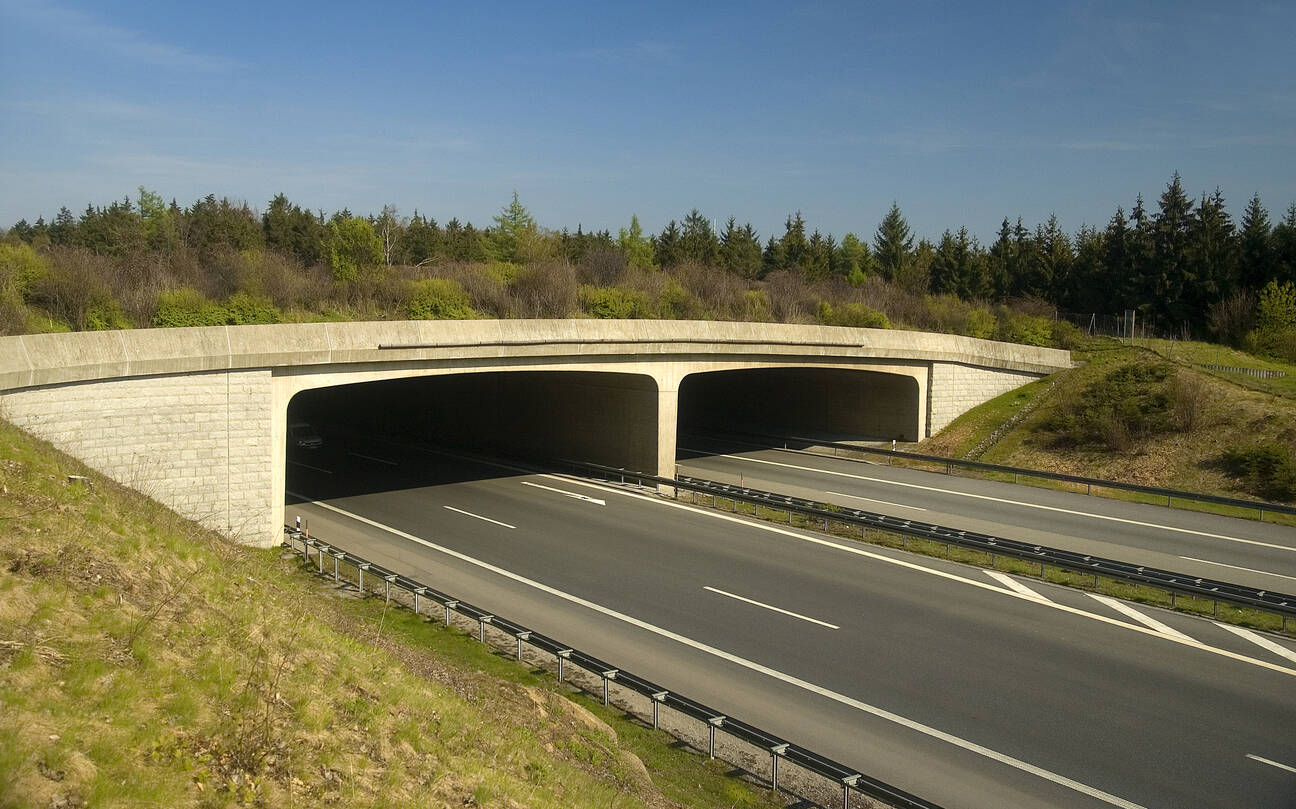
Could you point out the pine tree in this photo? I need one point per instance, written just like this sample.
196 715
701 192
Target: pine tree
698 242
740 250
667 247
893 243
1284 247
1172 271
1212 257
1118 284
1256 253
513 225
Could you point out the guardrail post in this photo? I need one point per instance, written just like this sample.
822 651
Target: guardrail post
389 579
320 556
657 700
305 549
362 567
608 676
449 605
562 655
521 636
848 782
712 723
336 576
418 591
481 627
775 751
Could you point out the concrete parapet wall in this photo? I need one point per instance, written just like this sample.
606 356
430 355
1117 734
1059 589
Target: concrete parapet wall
45 359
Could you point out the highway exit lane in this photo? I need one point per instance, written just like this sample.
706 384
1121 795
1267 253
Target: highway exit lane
1256 554
1100 704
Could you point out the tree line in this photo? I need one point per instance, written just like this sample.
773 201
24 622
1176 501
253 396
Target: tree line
1184 263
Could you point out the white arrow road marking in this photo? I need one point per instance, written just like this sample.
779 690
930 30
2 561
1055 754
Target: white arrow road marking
477 516
1263 760
770 607
1013 584
1146 620
1258 640
864 707
566 493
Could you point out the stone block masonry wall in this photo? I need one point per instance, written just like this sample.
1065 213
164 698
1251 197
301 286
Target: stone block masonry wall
956 389
198 443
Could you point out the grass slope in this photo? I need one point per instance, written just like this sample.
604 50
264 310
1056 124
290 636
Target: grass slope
146 662
1234 413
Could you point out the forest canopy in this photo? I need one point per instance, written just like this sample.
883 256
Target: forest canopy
1183 264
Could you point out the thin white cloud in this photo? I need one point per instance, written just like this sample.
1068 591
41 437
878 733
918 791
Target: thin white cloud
645 52
96 33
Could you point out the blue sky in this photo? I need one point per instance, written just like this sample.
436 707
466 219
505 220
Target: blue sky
963 113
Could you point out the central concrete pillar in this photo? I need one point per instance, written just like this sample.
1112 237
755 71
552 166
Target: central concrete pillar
667 428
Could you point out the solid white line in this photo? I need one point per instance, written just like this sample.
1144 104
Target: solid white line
871 500
308 466
1013 584
1235 567
1019 503
770 607
565 493
860 551
1264 760
1146 620
372 458
880 713
477 516
1258 640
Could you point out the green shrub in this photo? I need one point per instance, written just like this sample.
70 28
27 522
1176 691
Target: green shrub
1267 471
613 303
675 303
852 314
980 323
438 299
756 306
20 267
1065 334
1130 402
187 306
1275 321
1031 330
244 309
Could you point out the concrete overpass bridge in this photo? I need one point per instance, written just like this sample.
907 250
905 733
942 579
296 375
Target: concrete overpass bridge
197 418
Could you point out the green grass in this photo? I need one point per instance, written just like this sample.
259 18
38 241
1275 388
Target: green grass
1197 354
147 662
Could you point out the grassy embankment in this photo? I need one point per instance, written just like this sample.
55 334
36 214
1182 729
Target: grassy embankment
146 662
1220 414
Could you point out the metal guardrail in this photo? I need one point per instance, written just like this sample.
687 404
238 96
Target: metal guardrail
1258 373
566 655
1170 494
1220 592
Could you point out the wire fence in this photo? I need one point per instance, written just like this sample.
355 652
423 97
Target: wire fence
729 738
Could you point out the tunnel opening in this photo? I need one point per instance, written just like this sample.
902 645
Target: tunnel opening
799 406
423 431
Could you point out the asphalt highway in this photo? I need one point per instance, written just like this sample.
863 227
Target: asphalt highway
936 677
1256 554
